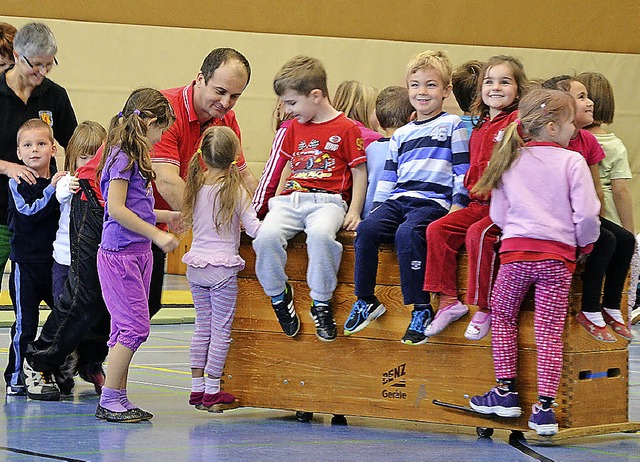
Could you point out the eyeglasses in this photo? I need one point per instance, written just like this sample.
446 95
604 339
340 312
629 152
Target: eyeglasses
43 67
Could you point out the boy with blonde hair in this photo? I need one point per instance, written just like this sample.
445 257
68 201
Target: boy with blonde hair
422 181
33 218
322 189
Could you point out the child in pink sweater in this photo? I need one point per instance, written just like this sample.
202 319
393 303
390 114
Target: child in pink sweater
545 202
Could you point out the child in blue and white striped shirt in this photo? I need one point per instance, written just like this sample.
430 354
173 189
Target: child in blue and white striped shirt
421 182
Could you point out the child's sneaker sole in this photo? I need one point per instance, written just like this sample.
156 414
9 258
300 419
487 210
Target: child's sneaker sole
544 430
497 410
412 343
219 408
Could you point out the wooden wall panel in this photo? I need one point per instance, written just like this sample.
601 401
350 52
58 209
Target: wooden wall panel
566 25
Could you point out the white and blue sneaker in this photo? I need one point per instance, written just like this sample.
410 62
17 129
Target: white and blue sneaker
362 313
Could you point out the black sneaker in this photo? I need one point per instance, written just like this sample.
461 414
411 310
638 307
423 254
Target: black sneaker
415 332
325 325
286 313
39 386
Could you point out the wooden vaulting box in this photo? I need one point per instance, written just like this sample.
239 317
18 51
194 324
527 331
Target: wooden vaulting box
373 374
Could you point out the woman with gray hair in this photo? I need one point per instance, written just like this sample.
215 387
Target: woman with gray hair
26 93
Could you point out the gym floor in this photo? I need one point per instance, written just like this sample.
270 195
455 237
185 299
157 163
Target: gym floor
159 381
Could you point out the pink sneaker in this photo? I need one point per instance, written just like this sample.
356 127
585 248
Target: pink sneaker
444 317
479 326
195 398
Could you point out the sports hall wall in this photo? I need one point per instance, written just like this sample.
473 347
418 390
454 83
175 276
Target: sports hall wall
101 62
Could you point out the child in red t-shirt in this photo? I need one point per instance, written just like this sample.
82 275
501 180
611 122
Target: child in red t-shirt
322 189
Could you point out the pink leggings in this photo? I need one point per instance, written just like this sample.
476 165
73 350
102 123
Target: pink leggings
215 307
552 280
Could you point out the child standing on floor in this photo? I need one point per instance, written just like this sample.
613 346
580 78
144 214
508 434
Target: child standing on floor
540 245
502 85
82 147
216 202
124 257
323 189
611 256
393 110
33 215
421 182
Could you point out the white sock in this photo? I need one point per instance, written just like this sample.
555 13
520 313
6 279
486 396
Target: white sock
595 318
212 385
615 314
197 384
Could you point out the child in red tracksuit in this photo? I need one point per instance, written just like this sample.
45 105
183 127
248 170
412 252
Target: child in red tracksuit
502 86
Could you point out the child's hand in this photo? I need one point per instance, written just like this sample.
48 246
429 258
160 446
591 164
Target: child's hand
74 184
56 177
166 241
581 256
351 221
176 225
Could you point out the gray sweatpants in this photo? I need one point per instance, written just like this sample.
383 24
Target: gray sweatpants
320 216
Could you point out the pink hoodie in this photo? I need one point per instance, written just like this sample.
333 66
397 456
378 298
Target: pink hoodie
547 202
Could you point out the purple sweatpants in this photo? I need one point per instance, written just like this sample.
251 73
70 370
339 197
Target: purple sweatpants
215 306
125 276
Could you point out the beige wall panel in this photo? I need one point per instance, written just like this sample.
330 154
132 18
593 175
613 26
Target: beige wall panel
101 63
568 24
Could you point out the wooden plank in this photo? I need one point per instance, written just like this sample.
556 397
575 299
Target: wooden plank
590 376
254 313
296 269
363 377
378 378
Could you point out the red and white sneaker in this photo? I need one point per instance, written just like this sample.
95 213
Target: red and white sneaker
619 328
599 333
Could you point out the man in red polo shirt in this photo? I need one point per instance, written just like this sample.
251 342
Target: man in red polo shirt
206 102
